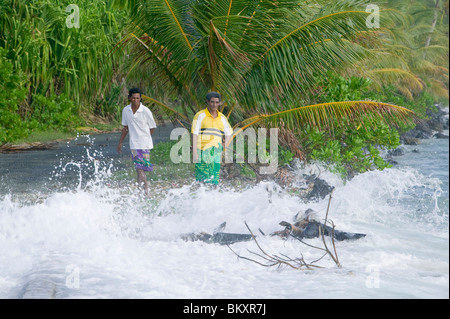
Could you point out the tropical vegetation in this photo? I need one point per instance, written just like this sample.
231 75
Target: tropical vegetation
267 59
337 86
412 56
69 70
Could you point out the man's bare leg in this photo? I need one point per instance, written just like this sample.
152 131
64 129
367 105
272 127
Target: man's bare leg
142 181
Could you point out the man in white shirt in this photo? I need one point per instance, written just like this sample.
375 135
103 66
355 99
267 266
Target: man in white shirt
138 120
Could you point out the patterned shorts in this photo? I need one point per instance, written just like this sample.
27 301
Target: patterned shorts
141 159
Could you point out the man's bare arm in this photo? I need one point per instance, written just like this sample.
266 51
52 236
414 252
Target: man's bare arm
122 137
194 148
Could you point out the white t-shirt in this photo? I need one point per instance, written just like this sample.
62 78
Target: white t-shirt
139 125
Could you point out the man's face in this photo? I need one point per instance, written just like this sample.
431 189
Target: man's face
213 103
135 99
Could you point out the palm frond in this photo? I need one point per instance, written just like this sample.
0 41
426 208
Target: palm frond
438 88
169 111
265 57
320 115
398 76
282 84
167 22
433 52
296 54
150 54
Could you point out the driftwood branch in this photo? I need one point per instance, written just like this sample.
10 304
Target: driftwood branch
274 260
322 232
268 260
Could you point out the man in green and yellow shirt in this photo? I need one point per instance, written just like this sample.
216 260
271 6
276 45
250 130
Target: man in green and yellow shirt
209 126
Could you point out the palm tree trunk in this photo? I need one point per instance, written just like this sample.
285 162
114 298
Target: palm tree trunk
433 24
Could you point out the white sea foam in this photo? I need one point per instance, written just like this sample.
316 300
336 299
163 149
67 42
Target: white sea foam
103 242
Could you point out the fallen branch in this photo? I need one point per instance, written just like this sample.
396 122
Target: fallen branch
269 260
335 256
274 260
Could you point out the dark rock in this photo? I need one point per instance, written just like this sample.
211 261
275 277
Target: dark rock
410 141
230 238
316 188
437 121
423 130
313 229
440 135
307 227
399 151
437 113
391 161
445 125
231 170
218 238
437 126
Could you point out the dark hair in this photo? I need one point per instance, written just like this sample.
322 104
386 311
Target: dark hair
211 95
134 90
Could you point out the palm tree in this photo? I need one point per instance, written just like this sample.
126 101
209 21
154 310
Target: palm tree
413 55
263 56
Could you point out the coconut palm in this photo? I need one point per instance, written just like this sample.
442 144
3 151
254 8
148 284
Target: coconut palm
412 56
263 56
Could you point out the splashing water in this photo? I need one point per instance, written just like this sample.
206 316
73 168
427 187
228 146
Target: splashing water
92 238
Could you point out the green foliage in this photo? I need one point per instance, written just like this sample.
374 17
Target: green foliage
111 105
260 55
55 112
46 136
60 56
338 88
164 168
160 154
69 68
356 151
285 156
246 171
12 94
413 55
346 149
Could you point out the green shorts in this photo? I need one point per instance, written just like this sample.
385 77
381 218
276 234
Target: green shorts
208 168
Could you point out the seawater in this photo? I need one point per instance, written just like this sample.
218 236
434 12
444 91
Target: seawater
91 239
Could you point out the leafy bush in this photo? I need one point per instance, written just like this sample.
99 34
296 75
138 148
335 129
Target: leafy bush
12 93
285 156
345 149
55 112
338 88
356 151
